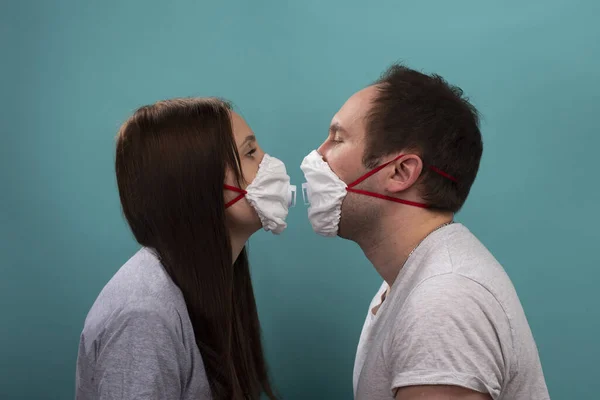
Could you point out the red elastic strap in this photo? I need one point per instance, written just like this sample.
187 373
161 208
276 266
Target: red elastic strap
442 173
242 193
374 171
382 166
390 198
351 186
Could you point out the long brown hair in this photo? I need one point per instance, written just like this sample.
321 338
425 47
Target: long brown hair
171 163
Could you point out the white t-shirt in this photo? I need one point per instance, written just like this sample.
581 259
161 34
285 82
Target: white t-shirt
452 317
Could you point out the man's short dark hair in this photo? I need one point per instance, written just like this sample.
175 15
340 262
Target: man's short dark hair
424 114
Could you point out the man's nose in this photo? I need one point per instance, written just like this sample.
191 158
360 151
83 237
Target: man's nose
322 150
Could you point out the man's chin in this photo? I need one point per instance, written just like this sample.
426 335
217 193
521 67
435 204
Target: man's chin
343 232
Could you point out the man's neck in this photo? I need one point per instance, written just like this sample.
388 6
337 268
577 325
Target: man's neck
389 246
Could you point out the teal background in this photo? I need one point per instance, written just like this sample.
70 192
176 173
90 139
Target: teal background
72 71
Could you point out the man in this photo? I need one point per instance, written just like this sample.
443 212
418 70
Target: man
398 163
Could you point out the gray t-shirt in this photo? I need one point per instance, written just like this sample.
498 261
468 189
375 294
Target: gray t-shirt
452 317
138 341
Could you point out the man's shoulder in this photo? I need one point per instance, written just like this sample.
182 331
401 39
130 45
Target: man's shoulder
466 251
451 291
466 258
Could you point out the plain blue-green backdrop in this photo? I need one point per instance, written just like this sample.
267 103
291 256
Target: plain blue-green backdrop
72 71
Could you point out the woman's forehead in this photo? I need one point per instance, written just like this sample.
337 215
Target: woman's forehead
241 130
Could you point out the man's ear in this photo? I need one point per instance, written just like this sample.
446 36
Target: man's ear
404 173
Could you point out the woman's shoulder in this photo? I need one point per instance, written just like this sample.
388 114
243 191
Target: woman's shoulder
141 289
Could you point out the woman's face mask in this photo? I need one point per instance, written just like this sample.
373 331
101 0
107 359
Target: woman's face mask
270 194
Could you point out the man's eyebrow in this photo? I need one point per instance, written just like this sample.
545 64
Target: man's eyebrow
336 127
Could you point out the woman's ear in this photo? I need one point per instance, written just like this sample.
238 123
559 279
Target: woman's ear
404 173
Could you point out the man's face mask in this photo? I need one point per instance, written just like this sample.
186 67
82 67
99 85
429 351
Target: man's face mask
325 192
270 194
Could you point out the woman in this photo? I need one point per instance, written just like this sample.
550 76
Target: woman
179 320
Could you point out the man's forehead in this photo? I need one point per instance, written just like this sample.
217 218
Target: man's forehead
355 109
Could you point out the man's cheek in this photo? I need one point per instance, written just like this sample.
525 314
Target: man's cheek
340 171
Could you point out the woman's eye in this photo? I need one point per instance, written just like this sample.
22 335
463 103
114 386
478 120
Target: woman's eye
251 152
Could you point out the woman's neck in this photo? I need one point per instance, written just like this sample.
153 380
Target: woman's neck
238 241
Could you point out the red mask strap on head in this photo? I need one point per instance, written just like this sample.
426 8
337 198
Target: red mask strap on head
374 171
442 173
242 193
351 186
390 198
